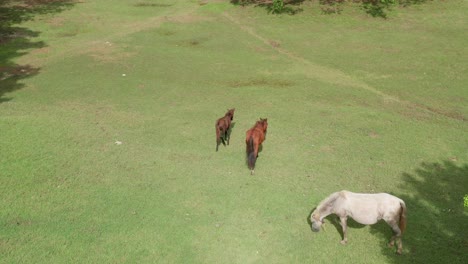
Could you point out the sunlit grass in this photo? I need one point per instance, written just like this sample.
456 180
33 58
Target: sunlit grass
108 153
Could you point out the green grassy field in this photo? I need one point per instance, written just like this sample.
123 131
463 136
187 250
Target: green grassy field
353 102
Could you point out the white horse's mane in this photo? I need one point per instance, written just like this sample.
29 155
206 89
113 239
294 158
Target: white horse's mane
329 201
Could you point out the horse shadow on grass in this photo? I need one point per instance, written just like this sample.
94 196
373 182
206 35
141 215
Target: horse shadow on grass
437 227
233 124
334 220
14 40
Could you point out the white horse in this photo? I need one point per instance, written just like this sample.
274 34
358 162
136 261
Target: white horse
364 208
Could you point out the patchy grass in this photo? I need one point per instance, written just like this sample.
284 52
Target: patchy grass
108 141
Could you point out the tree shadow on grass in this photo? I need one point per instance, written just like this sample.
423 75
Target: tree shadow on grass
15 41
290 7
437 230
374 8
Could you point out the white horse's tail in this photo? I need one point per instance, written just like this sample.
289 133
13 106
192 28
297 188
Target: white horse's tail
402 217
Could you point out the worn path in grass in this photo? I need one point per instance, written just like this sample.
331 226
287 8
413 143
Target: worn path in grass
330 75
188 15
76 48
98 166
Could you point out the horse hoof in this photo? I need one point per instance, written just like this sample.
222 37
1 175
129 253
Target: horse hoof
399 252
343 242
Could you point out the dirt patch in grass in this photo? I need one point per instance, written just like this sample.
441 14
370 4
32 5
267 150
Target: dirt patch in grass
261 83
166 32
147 4
423 112
18 221
107 52
187 19
67 34
274 44
56 21
44 50
327 149
446 113
373 134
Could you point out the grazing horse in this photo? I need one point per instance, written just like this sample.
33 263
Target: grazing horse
254 138
364 208
223 126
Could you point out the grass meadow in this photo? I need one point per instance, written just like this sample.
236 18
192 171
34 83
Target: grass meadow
107 144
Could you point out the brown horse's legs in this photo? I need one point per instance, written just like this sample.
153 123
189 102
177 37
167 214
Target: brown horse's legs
219 141
344 225
220 136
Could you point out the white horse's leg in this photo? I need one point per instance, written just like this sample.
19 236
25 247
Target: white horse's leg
400 245
397 234
344 225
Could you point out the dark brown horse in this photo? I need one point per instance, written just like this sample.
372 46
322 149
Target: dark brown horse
223 126
254 138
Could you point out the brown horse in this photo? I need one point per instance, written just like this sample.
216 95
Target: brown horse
223 126
364 208
254 138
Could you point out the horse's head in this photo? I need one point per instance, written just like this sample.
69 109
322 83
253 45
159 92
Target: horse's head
230 113
316 222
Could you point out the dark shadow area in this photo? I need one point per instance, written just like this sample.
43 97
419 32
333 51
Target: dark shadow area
374 8
411 2
308 217
334 220
331 6
437 229
15 40
231 127
290 7
379 8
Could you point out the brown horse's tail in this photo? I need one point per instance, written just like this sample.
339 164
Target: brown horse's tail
402 217
251 157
